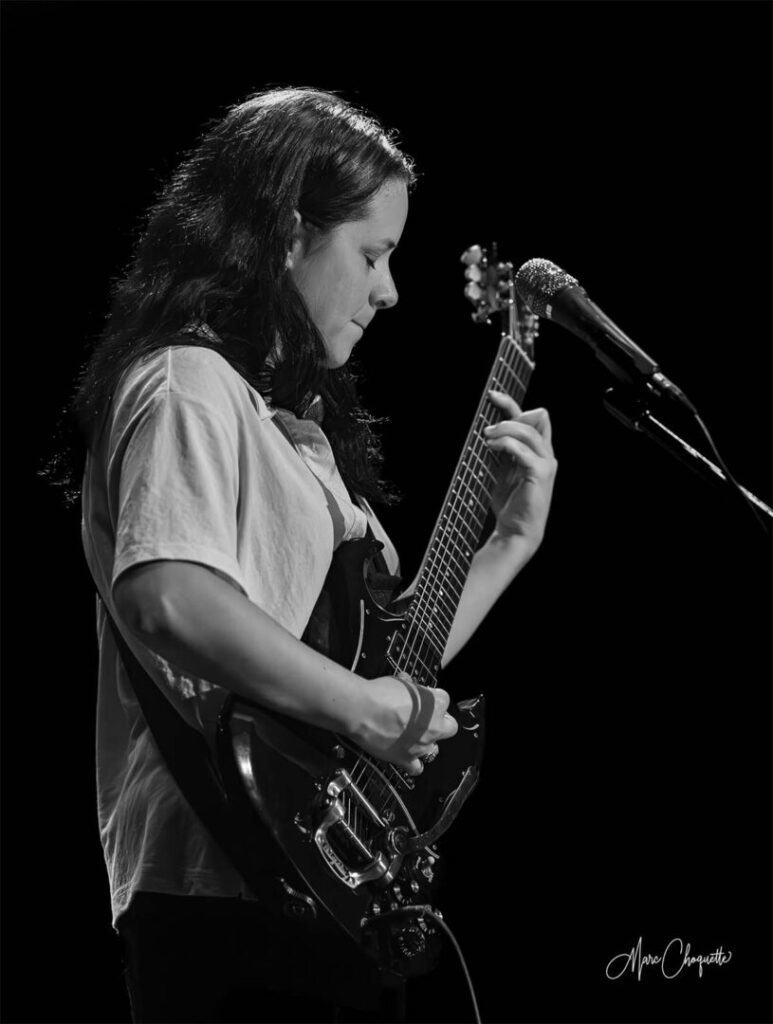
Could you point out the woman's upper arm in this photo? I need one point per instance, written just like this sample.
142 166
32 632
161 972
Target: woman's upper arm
141 593
138 595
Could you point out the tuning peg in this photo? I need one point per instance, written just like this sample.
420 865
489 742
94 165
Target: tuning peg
473 292
472 255
473 273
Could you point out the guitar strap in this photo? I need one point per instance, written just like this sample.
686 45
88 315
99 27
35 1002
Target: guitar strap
330 618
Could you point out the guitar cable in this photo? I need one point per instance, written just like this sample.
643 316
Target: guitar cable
420 911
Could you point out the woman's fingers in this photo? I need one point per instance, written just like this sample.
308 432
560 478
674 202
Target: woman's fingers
522 454
448 727
506 403
540 420
523 432
537 418
429 724
538 463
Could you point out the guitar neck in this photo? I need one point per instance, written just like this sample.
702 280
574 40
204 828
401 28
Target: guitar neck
418 648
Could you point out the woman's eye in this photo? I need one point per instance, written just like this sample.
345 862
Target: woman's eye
371 263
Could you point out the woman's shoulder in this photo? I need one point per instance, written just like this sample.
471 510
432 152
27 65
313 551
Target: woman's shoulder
195 372
196 369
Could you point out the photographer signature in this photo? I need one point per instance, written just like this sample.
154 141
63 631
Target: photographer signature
674 958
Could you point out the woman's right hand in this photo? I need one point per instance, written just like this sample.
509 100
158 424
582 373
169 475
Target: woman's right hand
404 721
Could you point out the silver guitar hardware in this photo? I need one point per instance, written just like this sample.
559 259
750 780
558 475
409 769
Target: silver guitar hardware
297 904
338 842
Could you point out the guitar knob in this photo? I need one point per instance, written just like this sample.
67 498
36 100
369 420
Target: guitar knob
411 942
472 255
473 291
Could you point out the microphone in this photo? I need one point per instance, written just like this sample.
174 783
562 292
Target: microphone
551 292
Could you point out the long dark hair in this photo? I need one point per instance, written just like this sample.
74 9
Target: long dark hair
213 252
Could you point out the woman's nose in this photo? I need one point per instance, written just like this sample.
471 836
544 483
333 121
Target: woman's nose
385 293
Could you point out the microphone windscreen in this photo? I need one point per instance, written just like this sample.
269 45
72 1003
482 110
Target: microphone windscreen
538 281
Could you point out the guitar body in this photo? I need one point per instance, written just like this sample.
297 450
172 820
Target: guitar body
358 832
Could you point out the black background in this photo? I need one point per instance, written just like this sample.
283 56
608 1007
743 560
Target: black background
626 790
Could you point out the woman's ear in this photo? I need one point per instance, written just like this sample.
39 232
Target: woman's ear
298 242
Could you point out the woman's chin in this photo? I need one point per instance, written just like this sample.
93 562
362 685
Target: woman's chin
339 356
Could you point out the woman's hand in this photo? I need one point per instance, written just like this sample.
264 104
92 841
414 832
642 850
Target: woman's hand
526 471
404 721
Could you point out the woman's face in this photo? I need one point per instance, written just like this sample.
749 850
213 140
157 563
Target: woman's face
344 276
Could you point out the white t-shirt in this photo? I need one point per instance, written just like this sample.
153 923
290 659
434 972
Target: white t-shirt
191 466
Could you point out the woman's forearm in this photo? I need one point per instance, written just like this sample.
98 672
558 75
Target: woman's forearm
204 626
493 568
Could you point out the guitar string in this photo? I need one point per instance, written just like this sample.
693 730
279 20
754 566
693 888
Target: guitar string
382 786
430 578
479 450
456 508
430 581
351 816
441 585
365 782
478 457
428 633
478 454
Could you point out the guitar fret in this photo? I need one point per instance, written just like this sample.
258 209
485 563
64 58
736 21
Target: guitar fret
470 507
435 626
517 353
410 661
467 540
445 554
437 570
445 546
513 372
424 614
508 387
462 519
430 632
426 653
481 462
529 362
449 573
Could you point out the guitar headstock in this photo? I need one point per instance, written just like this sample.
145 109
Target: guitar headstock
491 289
490 285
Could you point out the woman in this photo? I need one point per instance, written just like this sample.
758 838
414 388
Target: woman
228 458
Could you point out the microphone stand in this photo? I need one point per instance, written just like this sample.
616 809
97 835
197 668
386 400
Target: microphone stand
631 409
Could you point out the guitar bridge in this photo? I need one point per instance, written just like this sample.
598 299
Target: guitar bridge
346 832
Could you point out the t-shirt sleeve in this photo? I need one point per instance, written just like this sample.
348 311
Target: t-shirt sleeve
178 487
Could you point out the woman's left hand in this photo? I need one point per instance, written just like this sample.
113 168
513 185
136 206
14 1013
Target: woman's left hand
526 472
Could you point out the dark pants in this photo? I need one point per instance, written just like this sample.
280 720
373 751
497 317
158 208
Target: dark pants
211 960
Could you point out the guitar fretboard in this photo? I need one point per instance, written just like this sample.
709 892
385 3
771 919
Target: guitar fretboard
418 648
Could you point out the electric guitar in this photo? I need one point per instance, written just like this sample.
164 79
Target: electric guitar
358 834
